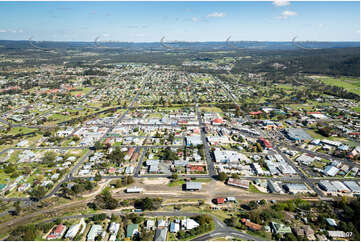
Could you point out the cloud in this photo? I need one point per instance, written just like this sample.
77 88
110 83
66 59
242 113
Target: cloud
139 35
216 15
14 31
285 14
194 19
281 3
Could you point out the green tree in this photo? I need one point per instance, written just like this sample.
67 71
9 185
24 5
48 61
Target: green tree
118 183
49 157
222 176
38 192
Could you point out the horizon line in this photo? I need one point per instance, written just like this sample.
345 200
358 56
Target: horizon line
176 41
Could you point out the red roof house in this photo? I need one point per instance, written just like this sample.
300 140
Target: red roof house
57 232
255 113
217 121
265 143
250 225
220 200
195 168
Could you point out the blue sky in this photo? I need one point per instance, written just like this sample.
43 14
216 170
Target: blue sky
181 21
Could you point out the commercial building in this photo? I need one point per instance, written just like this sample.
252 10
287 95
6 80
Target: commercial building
238 183
330 170
353 186
295 188
193 186
340 186
273 186
298 134
327 186
134 190
194 140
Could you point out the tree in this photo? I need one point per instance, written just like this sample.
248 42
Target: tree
148 203
234 175
263 202
222 176
253 205
98 145
174 176
18 208
105 200
99 217
98 237
259 147
58 221
118 183
77 188
290 237
130 180
147 236
116 156
97 177
10 168
49 157
37 192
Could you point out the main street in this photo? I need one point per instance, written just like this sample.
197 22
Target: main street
210 164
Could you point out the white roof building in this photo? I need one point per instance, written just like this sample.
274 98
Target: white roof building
114 228
353 186
340 186
95 230
330 170
188 224
72 231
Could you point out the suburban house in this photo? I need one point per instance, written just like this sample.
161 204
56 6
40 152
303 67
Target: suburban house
57 232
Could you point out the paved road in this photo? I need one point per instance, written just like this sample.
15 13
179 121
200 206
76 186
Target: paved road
210 164
69 176
140 163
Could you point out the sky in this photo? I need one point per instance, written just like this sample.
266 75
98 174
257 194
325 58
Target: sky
180 21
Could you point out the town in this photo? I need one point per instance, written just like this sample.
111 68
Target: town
183 141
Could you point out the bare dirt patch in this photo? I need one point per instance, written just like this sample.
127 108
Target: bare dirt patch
155 181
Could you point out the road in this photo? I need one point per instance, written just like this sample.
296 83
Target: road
140 163
210 164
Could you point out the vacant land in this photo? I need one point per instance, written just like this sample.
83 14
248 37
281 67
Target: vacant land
351 84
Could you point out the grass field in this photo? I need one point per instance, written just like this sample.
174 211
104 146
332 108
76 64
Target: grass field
314 134
349 83
84 91
211 109
252 188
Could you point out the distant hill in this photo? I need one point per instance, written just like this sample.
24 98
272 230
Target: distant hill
179 45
